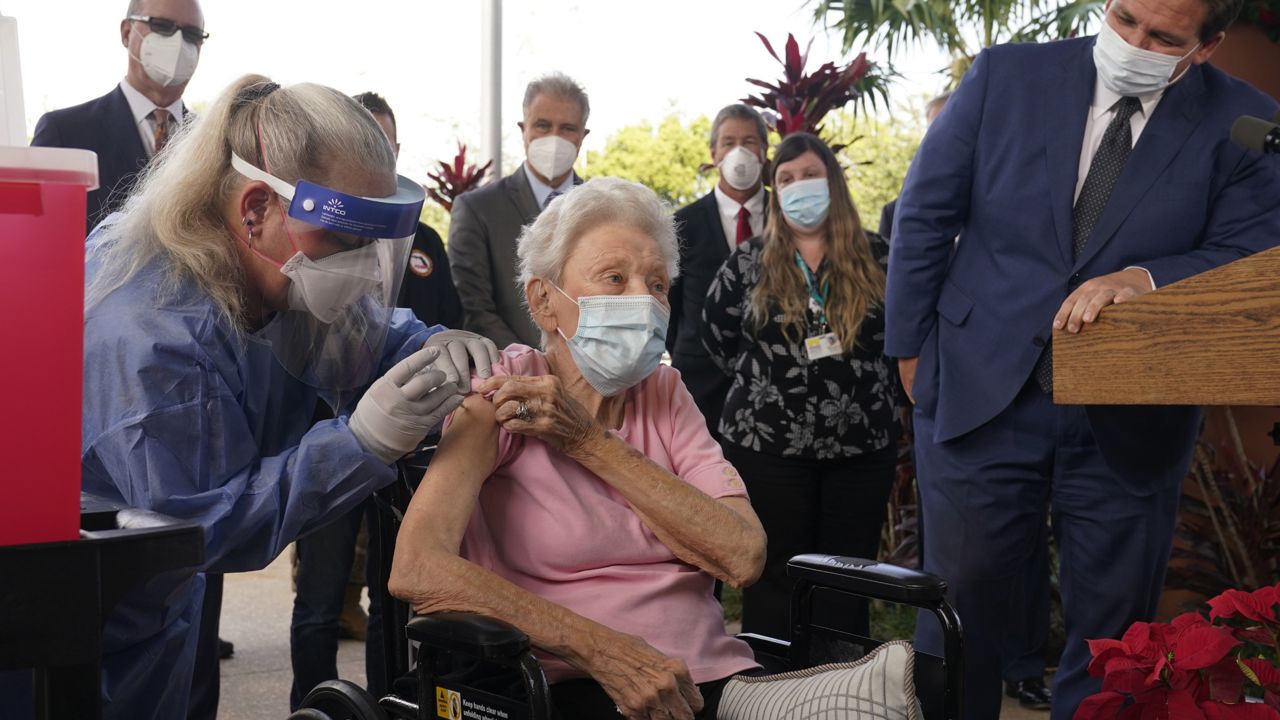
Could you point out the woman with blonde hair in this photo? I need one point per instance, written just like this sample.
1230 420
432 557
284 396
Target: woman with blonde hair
796 319
251 275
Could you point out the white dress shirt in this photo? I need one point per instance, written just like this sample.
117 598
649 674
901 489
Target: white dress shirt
729 214
541 190
1101 111
142 108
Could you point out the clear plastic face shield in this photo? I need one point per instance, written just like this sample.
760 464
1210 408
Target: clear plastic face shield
342 294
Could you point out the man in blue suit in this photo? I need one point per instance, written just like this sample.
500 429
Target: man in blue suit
131 123
1075 174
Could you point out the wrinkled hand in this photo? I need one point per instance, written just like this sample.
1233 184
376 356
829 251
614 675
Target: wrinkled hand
554 417
907 373
644 683
1085 304
402 406
456 347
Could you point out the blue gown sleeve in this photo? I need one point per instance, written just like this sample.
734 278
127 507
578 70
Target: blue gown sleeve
176 429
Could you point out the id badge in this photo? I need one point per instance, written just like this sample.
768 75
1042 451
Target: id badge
825 345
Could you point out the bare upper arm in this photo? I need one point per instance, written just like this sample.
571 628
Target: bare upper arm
444 501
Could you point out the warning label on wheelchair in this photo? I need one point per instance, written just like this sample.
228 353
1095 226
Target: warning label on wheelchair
452 705
448 704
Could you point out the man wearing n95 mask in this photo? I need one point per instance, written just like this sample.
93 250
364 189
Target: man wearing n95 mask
487 221
710 227
129 125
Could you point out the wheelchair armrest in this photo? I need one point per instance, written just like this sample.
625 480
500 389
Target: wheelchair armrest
870 579
476 636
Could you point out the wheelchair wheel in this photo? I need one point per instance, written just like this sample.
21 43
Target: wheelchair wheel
309 714
340 700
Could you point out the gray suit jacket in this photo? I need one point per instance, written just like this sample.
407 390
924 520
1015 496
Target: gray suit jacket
483 230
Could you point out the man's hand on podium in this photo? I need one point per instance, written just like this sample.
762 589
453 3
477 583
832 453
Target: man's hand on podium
1085 304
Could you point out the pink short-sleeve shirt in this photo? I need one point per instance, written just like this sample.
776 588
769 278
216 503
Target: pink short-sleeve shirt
552 527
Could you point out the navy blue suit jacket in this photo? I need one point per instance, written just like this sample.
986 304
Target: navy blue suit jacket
998 168
105 126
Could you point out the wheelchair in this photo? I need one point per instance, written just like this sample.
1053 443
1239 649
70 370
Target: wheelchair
475 667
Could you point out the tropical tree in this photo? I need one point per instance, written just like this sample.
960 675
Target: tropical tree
960 28
667 159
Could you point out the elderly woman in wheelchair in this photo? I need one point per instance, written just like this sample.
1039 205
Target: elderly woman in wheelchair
577 494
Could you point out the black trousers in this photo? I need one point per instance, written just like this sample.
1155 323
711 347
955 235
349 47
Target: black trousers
812 506
206 678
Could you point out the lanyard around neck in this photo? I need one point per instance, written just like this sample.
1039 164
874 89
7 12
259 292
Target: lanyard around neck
818 298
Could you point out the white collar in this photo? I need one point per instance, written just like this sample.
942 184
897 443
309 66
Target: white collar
1104 98
141 107
540 189
728 206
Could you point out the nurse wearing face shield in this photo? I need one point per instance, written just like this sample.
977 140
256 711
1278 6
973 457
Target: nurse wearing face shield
251 275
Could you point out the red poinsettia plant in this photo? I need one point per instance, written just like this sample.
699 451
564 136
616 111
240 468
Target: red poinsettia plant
1225 666
451 180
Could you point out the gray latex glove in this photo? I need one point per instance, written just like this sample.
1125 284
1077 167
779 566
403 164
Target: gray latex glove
402 406
459 345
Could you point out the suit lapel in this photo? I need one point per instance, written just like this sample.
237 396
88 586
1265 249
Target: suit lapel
521 196
715 228
1066 104
1174 118
133 153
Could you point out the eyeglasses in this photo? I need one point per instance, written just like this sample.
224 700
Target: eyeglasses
167 27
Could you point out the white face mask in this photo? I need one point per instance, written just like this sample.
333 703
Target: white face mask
740 168
1129 71
619 340
552 156
326 286
168 60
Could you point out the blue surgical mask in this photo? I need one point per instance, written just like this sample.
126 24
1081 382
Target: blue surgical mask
805 202
1129 71
619 341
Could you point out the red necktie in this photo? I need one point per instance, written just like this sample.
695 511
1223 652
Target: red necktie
744 224
160 117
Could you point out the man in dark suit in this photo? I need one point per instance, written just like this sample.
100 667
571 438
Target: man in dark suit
128 125
1076 174
709 227
487 222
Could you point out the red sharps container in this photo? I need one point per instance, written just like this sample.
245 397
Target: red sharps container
42 218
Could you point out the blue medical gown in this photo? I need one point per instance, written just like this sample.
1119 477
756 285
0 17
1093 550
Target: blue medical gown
187 418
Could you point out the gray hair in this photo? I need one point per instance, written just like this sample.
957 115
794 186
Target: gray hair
545 245
176 211
739 111
556 84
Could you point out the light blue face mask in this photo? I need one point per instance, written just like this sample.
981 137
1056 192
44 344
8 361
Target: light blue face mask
619 341
805 202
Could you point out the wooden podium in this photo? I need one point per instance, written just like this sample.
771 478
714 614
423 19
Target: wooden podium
1212 339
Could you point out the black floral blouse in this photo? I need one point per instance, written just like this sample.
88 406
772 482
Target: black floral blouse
783 403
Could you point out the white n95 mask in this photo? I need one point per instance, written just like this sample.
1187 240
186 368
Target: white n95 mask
168 60
326 286
740 168
1130 71
552 156
619 340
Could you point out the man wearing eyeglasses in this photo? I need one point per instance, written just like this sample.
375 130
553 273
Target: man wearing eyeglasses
129 125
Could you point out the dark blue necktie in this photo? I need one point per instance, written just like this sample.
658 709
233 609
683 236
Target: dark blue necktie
1105 169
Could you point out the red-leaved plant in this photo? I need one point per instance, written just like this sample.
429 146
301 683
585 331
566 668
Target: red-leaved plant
801 100
453 180
1193 668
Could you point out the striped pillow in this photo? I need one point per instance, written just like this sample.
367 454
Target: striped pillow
877 687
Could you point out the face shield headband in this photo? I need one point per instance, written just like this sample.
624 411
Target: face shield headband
395 216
